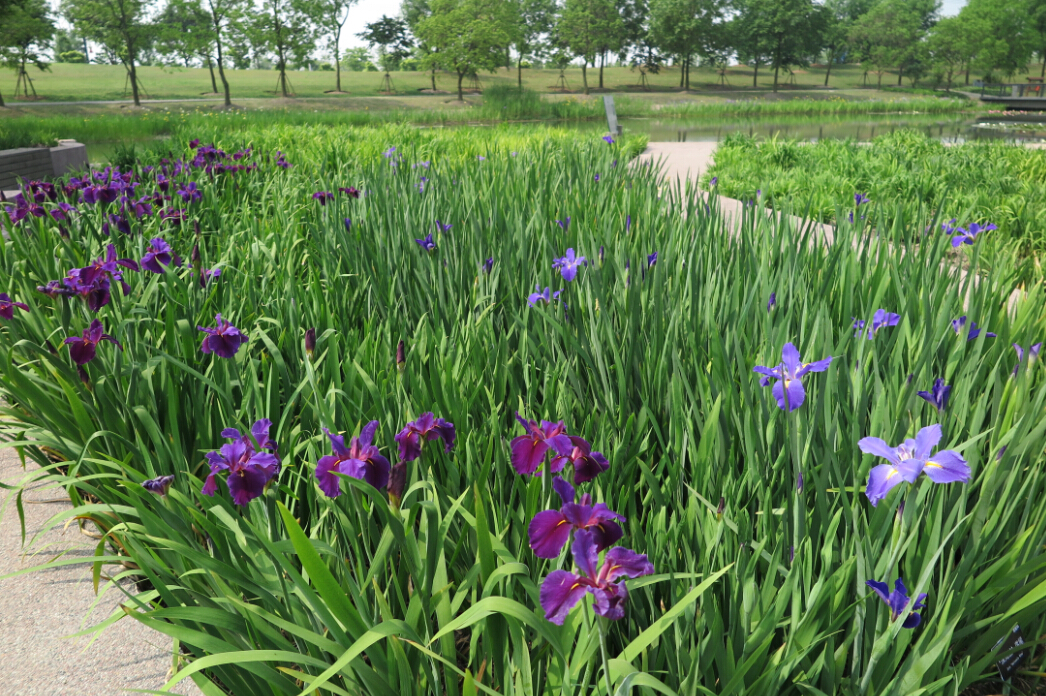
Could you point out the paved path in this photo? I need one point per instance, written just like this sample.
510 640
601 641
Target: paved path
38 609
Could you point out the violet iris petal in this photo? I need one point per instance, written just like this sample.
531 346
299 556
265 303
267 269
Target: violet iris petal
789 376
898 601
223 340
546 296
909 459
550 530
529 450
427 244
7 306
159 485
361 459
158 255
83 348
564 224
569 264
249 469
939 396
969 236
1033 353
587 464
425 427
771 302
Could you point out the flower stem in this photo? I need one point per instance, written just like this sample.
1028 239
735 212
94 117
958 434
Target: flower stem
603 649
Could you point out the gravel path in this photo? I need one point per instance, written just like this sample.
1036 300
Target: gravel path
38 609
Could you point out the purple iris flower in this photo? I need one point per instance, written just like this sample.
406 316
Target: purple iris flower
973 333
427 244
651 259
601 250
860 198
908 460
7 306
714 181
587 464
488 265
350 191
159 255
898 601
389 153
529 450
550 530
546 296
443 229
628 223
880 319
596 177
323 197
564 223
426 427
788 390
608 140
208 274
159 485
562 590
361 460
83 348
189 192
223 340
250 467
772 302
1033 352
948 227
119 222
194 143
481 158
938 396
963 236
568 265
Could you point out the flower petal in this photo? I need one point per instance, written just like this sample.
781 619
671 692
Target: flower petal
549 532
947 467
880 480
560 593
878 447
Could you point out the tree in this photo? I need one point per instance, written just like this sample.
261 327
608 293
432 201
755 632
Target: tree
25 32
469 35
685 28
330 16
751 42
223 15
785 32
889 36
588 28
413 12
535 22
1036 13
356 59
839 18
392 37
948 48
283 28
1005 36
184 30
121 27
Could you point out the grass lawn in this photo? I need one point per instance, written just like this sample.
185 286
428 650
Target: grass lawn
69 82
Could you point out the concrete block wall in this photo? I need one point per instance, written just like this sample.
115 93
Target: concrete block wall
30 163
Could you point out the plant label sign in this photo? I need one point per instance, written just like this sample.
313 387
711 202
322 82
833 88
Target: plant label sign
608 104
1008 664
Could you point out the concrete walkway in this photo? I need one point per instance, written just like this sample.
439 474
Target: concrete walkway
38 609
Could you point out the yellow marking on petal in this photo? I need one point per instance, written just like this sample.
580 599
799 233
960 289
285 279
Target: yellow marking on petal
574 586
934 465
892 472
560 523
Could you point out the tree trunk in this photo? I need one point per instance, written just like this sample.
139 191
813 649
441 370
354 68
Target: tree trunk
433 78
134 77
461 95
602 63
682 71
1042 75
829 72
519 72
686 67
776 69
210 66
967 73
337 61
879 84
221 74
584 74
2 104
755 75
900 72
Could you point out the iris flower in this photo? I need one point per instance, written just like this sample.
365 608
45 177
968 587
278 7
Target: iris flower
159 485
250 461
898 601
427 244
550 530
790 375
1033 352
83 348
7 306
973 333
587 464
159 255
908 460
443 228
969 236
224 340
608 140
860 198
529 450
564 223
361 460
772 301
546 296
426 427
651 259
562 590
488 265
323 196
938 396
880 319
349 191
569 264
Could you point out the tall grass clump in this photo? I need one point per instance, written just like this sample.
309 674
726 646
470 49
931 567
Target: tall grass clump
444 329
798 106
905 172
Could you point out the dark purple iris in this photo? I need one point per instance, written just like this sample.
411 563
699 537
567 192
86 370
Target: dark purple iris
608 140
360 460
898 601
83 348
348 224
223 340
189 192
587 464
159 485
939 396
529 450
158 255
651 260
974 332
208 274
562 590
7 306
443 228
323 197
251 462
426 427
788 389
350 191
860 198
487 265
194 143
772 302
564 223
121 223
427 244
550 530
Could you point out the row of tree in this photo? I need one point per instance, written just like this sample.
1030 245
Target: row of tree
996 37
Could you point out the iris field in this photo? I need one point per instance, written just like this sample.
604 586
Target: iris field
564 409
